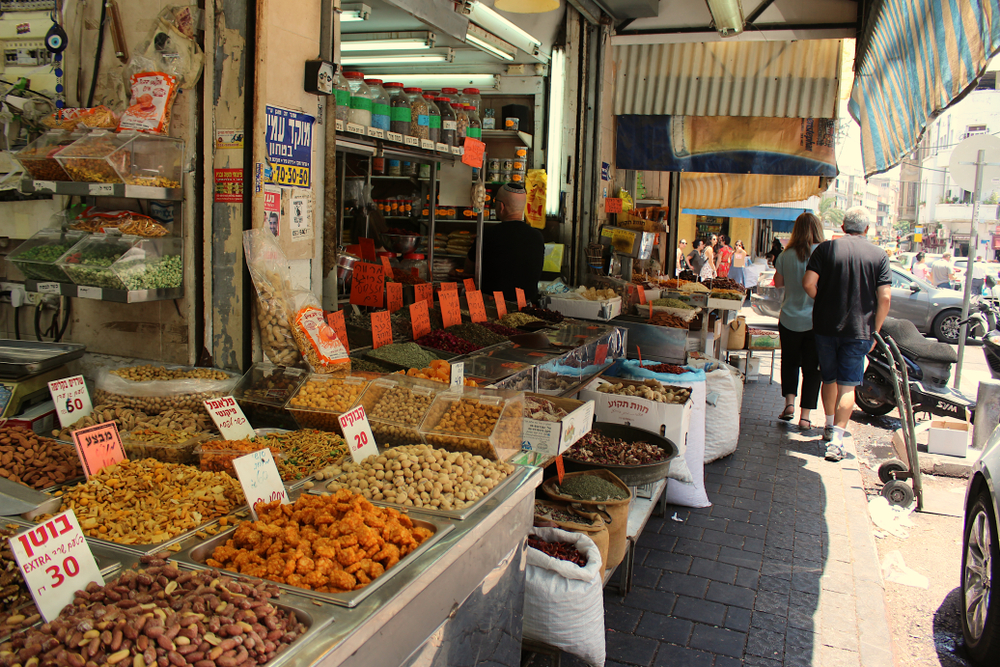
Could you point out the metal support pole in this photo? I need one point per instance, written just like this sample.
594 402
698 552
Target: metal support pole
970 265
431 206
479 249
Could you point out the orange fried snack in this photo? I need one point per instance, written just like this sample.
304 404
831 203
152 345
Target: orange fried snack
439 371
331 544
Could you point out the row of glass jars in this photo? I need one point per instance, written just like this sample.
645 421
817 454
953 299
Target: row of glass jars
446 118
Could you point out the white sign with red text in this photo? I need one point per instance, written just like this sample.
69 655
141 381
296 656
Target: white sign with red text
260 479
358 434
55 561
71 398
229 418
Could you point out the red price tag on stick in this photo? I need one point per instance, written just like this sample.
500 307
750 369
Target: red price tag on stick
449 287
477 310
612 205
451 312
381 329
521 301
393 296
560 468
420 319
470 284
336 320
98 447
367 249
55 561
501 304
367 285
642 294
386 266
424 292
473 155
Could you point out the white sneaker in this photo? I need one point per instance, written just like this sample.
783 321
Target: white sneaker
834 453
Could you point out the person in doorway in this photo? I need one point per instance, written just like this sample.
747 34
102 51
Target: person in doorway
696 258
725 254
920 268
708 253
795 322
978 276
682 264
739 262
850 281
776 249
941 272
513 251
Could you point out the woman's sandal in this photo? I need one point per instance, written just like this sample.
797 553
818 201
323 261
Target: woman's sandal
787 414
808 425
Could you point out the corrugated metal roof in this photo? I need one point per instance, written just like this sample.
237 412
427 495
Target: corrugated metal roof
773 79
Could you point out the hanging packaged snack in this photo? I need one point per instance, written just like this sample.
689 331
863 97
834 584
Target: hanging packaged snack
150 102
269 271
86 118
316 339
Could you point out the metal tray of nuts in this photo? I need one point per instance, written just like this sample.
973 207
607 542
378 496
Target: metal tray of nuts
195 557
458 515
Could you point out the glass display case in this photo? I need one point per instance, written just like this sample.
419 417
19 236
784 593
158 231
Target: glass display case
263 392
89 262
125 157
37 258
320 400
481 421
396 406
38 157
152 264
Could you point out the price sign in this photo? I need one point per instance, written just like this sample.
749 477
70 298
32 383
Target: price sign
98 447
71 399
45 186
101 189
381 329
376 133
358 434
355 128
612 205
473 155
55 561
386 266
602 354
425 293
260 479
85 292
427 144
339 125
449 287
336 320
457 379
229 418
367 285
455 150
501 304
394 136
367 249
420 320
48 288
442 148
470 284
410 141
451 312
521 301
642 294
477 310
393 296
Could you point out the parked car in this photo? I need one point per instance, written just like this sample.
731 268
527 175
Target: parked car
935 312
981 558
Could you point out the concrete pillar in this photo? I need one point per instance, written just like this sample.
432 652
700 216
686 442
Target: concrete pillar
987 413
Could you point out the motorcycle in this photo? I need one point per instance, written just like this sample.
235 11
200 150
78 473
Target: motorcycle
928 364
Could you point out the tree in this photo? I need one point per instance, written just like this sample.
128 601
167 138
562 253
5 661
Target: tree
829 213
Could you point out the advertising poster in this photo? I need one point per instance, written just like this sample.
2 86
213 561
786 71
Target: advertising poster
228 186
272 209
289 147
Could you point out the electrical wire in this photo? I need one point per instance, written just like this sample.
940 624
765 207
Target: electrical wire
66 307
97 55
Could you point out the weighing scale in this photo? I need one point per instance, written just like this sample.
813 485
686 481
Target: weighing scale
27 367
627 245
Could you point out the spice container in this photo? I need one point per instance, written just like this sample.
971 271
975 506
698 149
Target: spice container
512 123
396 407
416 261
494 164
521 152
420 120
125 157
89 159
400 112
89 261
475 129
433 118
472 97
320 400
461 124
38 157
519 166
361 99
380 104
342 95
489 117
37 257
449 124
394 168
481 421
263 392
152 264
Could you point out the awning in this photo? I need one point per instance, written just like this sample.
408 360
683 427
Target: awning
921 57
753 212
747 190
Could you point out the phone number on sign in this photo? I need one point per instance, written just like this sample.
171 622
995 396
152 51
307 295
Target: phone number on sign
295 176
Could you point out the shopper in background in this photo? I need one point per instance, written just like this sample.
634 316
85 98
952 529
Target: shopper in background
725 254
920 268
941 272
795 323
696 258
850 280
739 262
776 249
682 264
708 268
978 276
513 251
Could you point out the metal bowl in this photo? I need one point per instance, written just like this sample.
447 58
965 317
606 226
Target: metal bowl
401 243
345 265
635 475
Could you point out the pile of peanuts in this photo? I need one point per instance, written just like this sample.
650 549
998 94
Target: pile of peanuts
160 615
150 373
403 407
272 318
29 459
320 400
157 405
148 501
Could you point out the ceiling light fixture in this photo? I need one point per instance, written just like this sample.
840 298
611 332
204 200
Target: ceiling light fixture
490 43
503 28
399 44
360 12
417 58
527 6
481 81
727 16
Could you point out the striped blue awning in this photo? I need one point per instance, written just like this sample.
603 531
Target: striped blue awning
921 57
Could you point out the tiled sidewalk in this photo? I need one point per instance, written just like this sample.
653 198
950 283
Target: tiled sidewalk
781 570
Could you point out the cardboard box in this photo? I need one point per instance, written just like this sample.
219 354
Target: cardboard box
554 438
588 310
741 363
949 437
671 420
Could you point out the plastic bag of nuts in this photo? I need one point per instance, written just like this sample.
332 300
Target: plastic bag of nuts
156 389
269 270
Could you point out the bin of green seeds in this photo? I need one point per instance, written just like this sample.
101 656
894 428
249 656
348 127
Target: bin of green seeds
37 257
152 264
598 491
89 262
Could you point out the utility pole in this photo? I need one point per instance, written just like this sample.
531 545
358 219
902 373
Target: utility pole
970 265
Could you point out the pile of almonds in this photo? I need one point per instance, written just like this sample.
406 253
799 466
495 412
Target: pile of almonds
35 461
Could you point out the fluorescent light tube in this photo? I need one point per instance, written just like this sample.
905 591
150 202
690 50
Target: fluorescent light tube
727 15
354 46
355 13
554 158
481 81
416 58
490 43
504 28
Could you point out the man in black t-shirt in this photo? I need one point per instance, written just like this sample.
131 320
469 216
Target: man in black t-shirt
513 250
850 280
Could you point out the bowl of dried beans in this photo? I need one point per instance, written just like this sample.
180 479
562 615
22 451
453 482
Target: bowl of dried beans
636 456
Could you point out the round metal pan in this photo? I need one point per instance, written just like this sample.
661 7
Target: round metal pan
634 475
